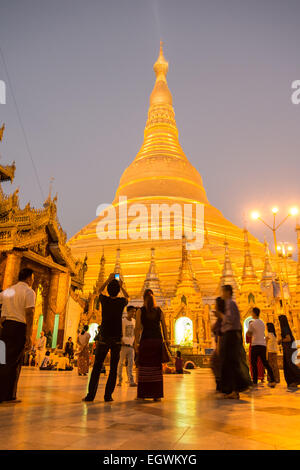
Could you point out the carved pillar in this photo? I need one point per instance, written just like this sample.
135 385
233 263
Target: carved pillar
52 301
62 300
12 269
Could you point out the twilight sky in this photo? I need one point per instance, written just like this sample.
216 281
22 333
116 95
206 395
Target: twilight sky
81 72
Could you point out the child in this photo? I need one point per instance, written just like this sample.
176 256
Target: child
178 363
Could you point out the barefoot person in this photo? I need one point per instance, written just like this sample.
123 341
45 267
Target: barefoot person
111 334
18 304
127 348
149 342
235 376
259 347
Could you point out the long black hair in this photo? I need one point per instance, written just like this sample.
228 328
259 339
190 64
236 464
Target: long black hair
84 329
285 327
271 328
220 304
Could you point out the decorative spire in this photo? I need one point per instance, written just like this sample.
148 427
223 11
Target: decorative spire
186 272
248 271
161 165
227 273
101 275
161 95
117 268
152 280
268 274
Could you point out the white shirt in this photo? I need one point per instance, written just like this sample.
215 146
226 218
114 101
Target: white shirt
128 331
257 328
272 343
41 343
15 300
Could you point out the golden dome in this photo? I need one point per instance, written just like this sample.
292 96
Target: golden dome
161 168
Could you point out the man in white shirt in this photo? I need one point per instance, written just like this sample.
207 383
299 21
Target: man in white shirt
258 346
18 302
127 349
40 349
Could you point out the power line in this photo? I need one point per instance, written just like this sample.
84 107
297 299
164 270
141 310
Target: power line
21 124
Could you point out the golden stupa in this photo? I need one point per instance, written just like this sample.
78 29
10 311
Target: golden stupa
162 174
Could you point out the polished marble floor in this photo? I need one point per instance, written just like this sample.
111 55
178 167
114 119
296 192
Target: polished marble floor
192 416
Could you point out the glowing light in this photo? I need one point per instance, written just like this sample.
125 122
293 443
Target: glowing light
278 248
255 215
184 331
294 211
275 210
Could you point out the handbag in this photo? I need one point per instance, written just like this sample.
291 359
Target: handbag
165 353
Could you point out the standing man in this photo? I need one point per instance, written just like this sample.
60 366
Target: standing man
18 304
259 347
40 349
127 349
111 334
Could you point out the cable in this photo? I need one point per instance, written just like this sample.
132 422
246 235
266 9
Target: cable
21 124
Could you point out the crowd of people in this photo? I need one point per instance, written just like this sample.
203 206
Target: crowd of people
139 337
229 362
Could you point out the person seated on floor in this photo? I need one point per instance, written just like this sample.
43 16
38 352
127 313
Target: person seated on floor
178 363
46 362
54 357
63 362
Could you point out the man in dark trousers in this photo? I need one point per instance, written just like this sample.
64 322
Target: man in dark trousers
18 302
111 335
259 347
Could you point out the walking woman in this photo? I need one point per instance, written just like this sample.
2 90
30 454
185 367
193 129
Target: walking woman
216 330
149 342
83 354
272 348
235 376
291 371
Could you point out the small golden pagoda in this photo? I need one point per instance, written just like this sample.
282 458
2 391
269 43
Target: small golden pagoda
161 174
33 238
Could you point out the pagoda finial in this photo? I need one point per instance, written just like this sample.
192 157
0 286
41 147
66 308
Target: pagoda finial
248 271
161 94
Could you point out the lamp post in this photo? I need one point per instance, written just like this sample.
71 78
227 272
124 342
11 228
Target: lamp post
274 227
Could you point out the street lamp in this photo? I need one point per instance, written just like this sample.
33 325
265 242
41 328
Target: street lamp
256 216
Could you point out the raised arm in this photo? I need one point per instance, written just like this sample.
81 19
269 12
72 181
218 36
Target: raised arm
110 278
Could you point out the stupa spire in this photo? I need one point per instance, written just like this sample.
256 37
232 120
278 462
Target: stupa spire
152 280
101 275
228 276
163 169
186 271
248 270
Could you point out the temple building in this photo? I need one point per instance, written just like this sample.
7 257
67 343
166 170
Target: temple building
186 278
33 238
